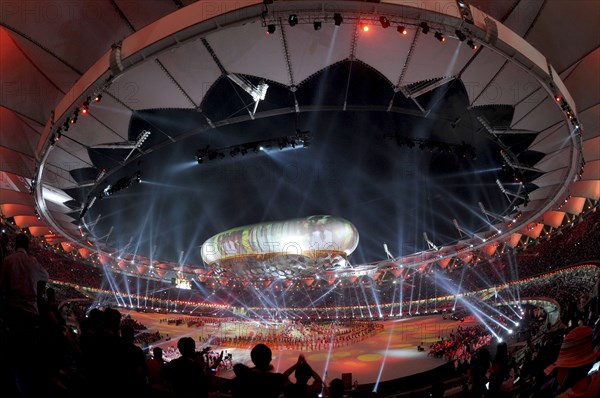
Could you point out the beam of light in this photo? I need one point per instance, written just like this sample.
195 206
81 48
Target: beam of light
113 286
262 299
486 305
470 173
189 188
312 303
401 297
439 94
137 290
202 289
514 268
360 308
419 291
474 309
149 216
482 321
326 367
313 115
412 290
376 300
180 167
435 294
510 307
427 294
393 299
501 278
385 354
366 301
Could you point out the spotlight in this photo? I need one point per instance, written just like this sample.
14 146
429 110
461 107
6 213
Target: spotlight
317 25
461 36
270 29
364 27
472 44
293 20
402 30
440 37
337 19
424 27
385 23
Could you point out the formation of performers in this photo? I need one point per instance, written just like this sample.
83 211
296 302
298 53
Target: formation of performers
301 337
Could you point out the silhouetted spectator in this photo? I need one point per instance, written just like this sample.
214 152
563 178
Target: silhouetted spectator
22 282
101 351
476 384
22 285
54 342
500 369
259 381
185 374
51 312
3 247
303 373
336 388
132 364
156 374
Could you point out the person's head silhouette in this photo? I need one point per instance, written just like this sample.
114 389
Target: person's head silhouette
112 320
261 356
22 242
186 346
336 388
157 353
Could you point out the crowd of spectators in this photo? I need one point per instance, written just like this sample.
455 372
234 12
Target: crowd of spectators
571 244
574 289
461 345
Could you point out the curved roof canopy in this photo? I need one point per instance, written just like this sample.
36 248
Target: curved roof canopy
81 86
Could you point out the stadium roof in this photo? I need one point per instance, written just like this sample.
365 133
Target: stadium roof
189 73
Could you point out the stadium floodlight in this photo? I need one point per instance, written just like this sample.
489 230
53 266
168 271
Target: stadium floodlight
429 242
338 19
138 142
257 92
387 252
